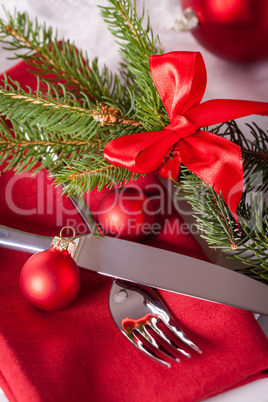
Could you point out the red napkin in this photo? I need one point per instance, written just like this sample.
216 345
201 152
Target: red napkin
78 354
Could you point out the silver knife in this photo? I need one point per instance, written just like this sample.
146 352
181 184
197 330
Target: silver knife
153 267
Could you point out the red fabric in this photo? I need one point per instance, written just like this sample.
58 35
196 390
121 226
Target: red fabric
180 78
78 354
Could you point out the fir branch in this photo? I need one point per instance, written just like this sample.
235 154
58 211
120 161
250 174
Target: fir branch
25 143
59 58
217 225
218 228
137 44
253 248
106 103
60 61
213 218
254 151
55 113
257 145
53 127
127 26
23 147
93 170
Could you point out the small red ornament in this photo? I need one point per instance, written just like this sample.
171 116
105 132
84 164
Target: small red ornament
233 29
50 279
126 213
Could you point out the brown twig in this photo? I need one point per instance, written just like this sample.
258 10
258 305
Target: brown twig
127 20
106 115
133 123
232 241
24 144
74 176
43 102
259 155
130 25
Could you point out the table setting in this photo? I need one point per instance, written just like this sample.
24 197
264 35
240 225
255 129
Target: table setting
125 323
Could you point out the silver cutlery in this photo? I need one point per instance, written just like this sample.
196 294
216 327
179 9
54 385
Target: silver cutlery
154 267
143 318
130 300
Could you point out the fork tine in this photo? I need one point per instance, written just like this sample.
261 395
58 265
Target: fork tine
148 345
163 336
150 353
171 325
159 344
143 318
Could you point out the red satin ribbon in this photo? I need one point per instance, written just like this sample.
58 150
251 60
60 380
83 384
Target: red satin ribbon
180 78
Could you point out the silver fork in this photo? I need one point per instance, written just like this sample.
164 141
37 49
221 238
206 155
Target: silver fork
144 319
139 312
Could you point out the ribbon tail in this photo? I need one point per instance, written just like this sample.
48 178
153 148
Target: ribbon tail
171 168
218 162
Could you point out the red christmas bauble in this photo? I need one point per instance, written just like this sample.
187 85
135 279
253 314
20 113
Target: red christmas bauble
50 279
233 29
126 213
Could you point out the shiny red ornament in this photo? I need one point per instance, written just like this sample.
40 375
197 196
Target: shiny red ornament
126 213
236 30
50 279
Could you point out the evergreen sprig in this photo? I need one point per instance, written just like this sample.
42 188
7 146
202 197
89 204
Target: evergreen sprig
53 129
249 242
87 108
75 111
61 59
99 172
254 150
45 128
60 62
137 44
51 111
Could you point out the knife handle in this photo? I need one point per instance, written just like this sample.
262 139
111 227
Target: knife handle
21 241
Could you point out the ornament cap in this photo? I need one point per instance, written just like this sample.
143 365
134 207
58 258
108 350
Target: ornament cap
186 20
62 243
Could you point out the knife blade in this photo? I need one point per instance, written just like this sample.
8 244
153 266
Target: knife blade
154 267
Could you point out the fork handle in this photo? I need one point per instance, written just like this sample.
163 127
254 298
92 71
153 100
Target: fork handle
21 241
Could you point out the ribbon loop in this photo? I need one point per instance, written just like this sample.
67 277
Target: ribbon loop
180 78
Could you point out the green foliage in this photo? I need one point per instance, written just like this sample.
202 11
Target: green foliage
214 220
52 111
44 128
53 60
62 59
53 129
137 44
75 111
67 119
77 179
253 247
254 150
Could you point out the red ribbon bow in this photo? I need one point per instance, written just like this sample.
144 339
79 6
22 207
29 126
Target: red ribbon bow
180 78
